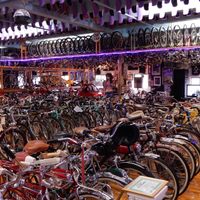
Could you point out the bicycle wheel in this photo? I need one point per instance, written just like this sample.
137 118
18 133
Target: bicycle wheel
40 130
147 37
170 36
194 150
141 37
68 123
116 184
177 163
135 169
117 40
193 136
193 35
55 124
15 140
163 36
186 35
15 194
62 49
162 171
155 37
57 46
90 44
106 41
91 196
177 36
98 117
186 154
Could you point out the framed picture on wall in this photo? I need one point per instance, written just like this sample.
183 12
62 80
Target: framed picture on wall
157 80
156 70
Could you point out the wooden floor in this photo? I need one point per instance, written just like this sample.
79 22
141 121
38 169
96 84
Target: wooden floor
192 193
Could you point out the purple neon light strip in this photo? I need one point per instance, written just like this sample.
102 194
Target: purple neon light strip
100 54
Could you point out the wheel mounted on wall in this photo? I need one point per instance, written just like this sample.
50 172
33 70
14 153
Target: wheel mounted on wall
193 34
155 37
117 40
163 36
186 35
141 37
177 36
147 38
105 41
169 36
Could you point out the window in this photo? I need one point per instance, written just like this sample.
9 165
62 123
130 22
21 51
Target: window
195 81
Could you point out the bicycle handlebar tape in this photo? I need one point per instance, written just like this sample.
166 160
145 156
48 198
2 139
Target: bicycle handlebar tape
9 153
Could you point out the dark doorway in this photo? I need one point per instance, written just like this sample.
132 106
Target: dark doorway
178 88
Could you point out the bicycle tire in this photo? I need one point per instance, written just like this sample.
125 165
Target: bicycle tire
117 40
183 181
105 41
115 181
193 34
186 154
155 37
57 46
136 167
40 130
147 37
194 149
170 36
45 48
141 37
49 48
193 136
37 48
15 139
163 36
177 36
91 44
53 46
62 49
164 172
186 35
91 196
80 44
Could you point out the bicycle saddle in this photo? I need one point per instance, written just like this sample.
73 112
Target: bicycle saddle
140 106
135 115
103 128
80 130
35 146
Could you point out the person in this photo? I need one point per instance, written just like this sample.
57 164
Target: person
108 85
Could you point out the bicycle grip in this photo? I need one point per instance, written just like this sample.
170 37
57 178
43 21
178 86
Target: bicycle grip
8 152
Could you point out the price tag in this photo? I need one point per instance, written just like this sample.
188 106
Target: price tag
3 120
78 109
1 127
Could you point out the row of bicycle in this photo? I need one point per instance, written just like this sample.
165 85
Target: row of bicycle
87 161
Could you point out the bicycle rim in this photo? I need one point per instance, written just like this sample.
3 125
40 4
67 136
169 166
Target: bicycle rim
161 171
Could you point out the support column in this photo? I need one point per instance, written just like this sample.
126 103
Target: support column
23 49
1 78
120 81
